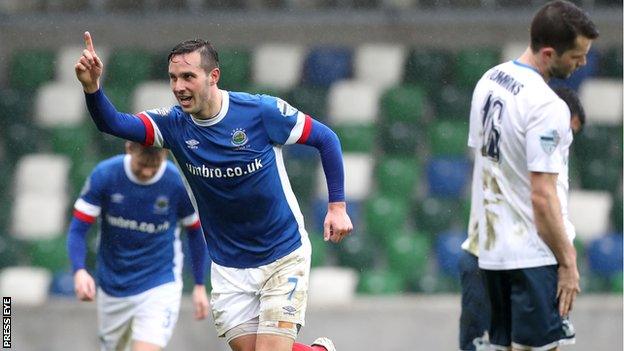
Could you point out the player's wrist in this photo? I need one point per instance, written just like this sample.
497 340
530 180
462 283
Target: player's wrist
339 205
91 88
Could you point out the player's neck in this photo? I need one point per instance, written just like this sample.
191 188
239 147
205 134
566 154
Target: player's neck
531 59
213 106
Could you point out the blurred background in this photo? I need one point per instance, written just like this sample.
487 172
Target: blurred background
392 77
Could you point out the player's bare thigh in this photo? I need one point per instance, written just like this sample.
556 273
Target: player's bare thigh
138 345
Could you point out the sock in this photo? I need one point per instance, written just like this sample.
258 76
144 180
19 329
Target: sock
301 347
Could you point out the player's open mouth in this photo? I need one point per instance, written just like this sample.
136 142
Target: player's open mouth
185 101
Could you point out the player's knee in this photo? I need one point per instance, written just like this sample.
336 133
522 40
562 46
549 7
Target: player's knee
281 328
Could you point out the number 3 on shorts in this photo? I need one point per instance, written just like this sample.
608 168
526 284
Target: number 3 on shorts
292 280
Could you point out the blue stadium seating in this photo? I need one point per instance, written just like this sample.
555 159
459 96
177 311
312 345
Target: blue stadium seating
447 176
325 65
448 249
605 255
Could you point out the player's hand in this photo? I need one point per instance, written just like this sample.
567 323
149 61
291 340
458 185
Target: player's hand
567 288
200 302
84 285
337 223
89 67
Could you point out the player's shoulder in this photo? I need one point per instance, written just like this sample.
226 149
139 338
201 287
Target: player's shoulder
174 111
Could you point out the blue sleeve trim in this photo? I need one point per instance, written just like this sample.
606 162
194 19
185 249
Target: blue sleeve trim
328 145
110 121
198 250
77 243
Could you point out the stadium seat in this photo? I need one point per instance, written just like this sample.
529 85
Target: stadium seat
356 137
235 65
62 284
611 63
325 65
150 95
332 286
10 249
471 64
301 173
448 138
29 171
357 251
401 138
605 255
59 104
341 94
127 68
311 101
30 69
435 215
319 249
405 103
589 212
49 253
397 176
278 65
408 254
78 175
581 75
379 64
448 250
38 216
381 282
429 68
120 96
602 100
616 214
598 142
66 59
452 102
28 286
386 216
512 51
601 174
358 173
72 141
448 177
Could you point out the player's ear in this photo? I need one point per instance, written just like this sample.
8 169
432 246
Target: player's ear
548 53
213 77
128 147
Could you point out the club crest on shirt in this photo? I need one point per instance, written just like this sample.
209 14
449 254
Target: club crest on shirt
239 137
161 205
285 108
549 141
117 198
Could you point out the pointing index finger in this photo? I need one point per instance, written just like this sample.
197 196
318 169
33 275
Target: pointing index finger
88 42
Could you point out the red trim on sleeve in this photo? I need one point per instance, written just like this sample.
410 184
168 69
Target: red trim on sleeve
195 225
307 128
149 129
84 217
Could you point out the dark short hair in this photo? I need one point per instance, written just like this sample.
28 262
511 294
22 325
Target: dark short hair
557 24
147 151
207 52
571 98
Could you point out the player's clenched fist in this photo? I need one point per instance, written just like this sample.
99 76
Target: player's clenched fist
337 223
84 285
89 67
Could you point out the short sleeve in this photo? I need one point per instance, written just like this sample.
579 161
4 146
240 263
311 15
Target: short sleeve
158 123
475 124
283 123
546 137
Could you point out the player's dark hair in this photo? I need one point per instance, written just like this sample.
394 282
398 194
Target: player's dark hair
148 151
207 52
571 98
557 24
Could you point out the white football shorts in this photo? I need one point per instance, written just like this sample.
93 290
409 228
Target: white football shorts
149 316
276 292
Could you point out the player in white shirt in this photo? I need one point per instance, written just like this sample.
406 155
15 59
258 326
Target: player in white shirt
521 129
475 305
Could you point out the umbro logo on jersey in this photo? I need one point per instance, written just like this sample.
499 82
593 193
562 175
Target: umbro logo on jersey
289 310
117 198
192 143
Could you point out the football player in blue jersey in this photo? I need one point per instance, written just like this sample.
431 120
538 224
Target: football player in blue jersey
140 198
229 147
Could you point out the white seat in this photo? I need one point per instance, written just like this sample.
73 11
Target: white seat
512 51
37 216
331 286
602 100
589 213
277 66
358 177
380 64
66 60
151 95
59 103
27 286
42 174
353 101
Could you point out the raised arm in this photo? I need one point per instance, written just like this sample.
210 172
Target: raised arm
89 70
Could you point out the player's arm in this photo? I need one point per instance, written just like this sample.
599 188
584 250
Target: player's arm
198 251
549 223
337 223
84 285
107 119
